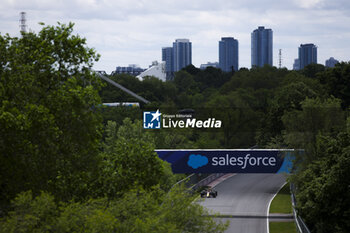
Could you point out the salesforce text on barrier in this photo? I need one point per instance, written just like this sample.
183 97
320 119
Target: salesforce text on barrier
243 161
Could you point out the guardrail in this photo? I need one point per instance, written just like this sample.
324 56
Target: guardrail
301 226
195 181
207 180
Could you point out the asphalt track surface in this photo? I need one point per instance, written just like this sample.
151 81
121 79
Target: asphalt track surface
244 200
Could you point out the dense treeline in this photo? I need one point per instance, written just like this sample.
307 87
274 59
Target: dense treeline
271 108
62 169
70 165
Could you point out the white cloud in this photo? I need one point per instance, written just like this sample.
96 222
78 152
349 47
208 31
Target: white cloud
309 3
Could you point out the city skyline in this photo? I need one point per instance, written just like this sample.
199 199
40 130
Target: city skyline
132 32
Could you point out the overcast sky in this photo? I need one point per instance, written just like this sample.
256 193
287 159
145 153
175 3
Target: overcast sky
134 31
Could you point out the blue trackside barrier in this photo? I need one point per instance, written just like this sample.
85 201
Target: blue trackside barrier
228 160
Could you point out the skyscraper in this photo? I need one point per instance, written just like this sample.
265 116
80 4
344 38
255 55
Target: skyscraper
228 54
182 53
307 55
167 56
261 47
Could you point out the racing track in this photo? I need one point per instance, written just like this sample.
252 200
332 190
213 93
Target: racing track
245 198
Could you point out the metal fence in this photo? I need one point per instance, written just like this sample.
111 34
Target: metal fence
301 226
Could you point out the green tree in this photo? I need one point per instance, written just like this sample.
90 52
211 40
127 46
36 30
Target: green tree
49 126
110 93
239 119
191 69
136 211
316 117
185 82
266 77
323 197
285 98
29 214
211 77
312 70
128 160
337 82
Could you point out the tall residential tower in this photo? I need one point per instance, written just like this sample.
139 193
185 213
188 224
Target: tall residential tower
262 42
167 57
177 57
228 54
307 55
182 53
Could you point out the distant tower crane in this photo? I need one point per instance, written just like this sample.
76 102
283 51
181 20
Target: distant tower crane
22 22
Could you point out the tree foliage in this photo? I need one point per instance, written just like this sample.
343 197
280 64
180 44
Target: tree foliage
337 82
323 195
81 177
136 211
49 128
316 117
128 160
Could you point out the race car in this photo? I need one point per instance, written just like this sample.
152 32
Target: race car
209 192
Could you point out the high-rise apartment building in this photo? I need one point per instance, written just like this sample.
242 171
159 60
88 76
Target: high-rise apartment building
261 47
177 57
167 57
307 55
182 53
228 54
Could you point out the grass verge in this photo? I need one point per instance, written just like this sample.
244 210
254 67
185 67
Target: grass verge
282 203
282 227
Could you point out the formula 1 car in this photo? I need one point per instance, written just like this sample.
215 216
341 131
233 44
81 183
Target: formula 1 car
209 192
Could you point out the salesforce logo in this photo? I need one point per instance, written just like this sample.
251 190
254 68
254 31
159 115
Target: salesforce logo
242 162
196 161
